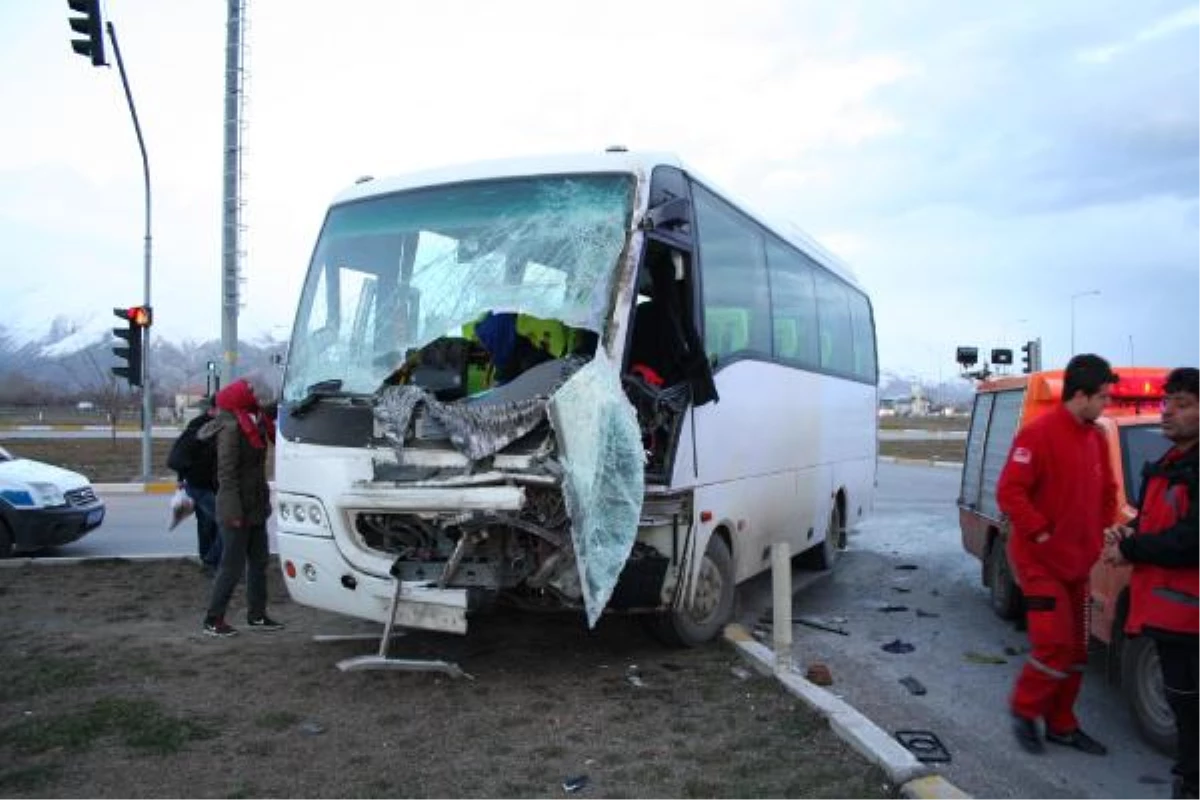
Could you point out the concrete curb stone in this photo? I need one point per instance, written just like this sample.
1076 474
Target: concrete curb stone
912 777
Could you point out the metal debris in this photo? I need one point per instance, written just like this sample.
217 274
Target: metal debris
574 784
898 646
925 745
913 685
983 658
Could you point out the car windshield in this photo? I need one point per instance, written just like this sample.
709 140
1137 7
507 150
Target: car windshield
1140 444
391 274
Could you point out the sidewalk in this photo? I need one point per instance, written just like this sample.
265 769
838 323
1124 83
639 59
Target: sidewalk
911 777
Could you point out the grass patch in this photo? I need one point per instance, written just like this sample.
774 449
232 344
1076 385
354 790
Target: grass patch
44 674
139 724
28 780
277 720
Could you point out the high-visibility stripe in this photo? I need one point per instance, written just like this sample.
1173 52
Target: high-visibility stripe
1053 673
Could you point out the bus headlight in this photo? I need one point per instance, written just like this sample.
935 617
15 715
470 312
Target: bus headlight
305 515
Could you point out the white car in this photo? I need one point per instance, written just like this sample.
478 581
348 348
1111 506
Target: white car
43 506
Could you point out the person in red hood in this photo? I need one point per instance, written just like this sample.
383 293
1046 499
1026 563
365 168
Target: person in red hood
1059 494
1164 548
242 431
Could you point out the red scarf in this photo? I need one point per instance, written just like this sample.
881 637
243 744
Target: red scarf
238 399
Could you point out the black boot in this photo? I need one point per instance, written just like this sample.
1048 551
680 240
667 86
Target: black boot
1026 731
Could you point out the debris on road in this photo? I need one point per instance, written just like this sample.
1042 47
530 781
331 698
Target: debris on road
925 745
740 673
819 674
891 609
901 589
927 614
811 623
983 658
913 685
898 646
906 566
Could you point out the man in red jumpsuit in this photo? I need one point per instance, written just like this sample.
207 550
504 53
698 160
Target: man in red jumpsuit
1058 492
1165 553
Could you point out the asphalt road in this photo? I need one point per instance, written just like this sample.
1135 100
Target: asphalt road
136 524
915 524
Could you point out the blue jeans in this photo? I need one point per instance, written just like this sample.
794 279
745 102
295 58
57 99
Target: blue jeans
208 538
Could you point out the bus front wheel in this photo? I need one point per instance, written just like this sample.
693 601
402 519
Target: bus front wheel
712 604
1141 679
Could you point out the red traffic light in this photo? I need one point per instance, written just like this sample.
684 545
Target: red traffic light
137 316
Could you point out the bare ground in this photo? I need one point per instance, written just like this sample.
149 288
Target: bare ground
111 690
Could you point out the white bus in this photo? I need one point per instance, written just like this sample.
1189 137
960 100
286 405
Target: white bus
587 382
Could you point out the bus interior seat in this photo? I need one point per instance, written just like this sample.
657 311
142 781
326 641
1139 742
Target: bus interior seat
787 337
728 330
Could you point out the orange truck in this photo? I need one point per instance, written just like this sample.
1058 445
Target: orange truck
1131 425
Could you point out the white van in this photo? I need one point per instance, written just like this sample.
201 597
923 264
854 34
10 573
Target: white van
43 506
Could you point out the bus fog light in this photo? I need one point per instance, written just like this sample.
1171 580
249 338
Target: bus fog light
298 513
314 514
285 511
310 572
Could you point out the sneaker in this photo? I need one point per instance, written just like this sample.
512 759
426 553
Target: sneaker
1079 740
264 623
1026 731
218 627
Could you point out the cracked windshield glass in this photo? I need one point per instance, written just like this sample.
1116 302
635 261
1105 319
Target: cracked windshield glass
393 274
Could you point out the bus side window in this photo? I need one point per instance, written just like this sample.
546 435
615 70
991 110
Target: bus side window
737 316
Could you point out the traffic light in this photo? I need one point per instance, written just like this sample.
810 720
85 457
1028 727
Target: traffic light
138 318
1031 356
90 26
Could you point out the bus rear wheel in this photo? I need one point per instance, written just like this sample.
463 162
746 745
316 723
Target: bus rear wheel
712 604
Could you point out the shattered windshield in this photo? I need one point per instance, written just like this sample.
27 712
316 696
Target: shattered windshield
394 273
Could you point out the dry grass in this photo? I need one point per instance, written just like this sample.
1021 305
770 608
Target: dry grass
112 691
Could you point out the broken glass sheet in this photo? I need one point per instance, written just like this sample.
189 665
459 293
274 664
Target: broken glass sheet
600 448
392 273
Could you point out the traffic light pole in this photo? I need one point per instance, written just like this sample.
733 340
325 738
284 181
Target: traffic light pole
147 385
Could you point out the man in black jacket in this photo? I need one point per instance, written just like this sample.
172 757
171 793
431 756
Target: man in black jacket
195 462
1164 550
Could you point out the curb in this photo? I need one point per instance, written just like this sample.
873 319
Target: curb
924 462
912 777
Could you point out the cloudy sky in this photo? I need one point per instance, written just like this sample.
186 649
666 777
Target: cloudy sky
985 167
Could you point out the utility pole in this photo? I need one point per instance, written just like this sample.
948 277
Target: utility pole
231 199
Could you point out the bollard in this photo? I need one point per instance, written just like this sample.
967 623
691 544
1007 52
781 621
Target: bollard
781 583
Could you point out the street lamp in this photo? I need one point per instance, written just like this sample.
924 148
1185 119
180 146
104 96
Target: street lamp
1075 297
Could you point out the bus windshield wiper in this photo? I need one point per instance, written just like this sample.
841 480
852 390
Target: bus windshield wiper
317 392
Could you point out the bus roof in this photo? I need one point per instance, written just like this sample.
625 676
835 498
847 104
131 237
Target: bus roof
614 161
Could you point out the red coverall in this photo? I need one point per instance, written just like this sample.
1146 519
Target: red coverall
1057 482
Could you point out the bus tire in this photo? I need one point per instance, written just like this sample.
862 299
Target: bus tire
1142 683
1004 595
712 604
825 554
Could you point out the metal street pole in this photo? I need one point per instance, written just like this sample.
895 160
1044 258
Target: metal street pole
1075 297
147 386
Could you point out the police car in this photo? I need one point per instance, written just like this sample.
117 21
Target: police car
43 506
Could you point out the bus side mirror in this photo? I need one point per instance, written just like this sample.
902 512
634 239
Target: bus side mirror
671 214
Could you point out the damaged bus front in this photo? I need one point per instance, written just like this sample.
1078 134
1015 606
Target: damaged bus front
453 417
502 386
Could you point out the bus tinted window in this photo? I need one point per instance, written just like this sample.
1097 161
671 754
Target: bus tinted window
793 305
737 310
833 314
864 337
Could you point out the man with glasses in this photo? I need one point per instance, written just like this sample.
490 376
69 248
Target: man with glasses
1162 547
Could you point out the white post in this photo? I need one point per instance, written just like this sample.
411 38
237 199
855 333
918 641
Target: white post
781 583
